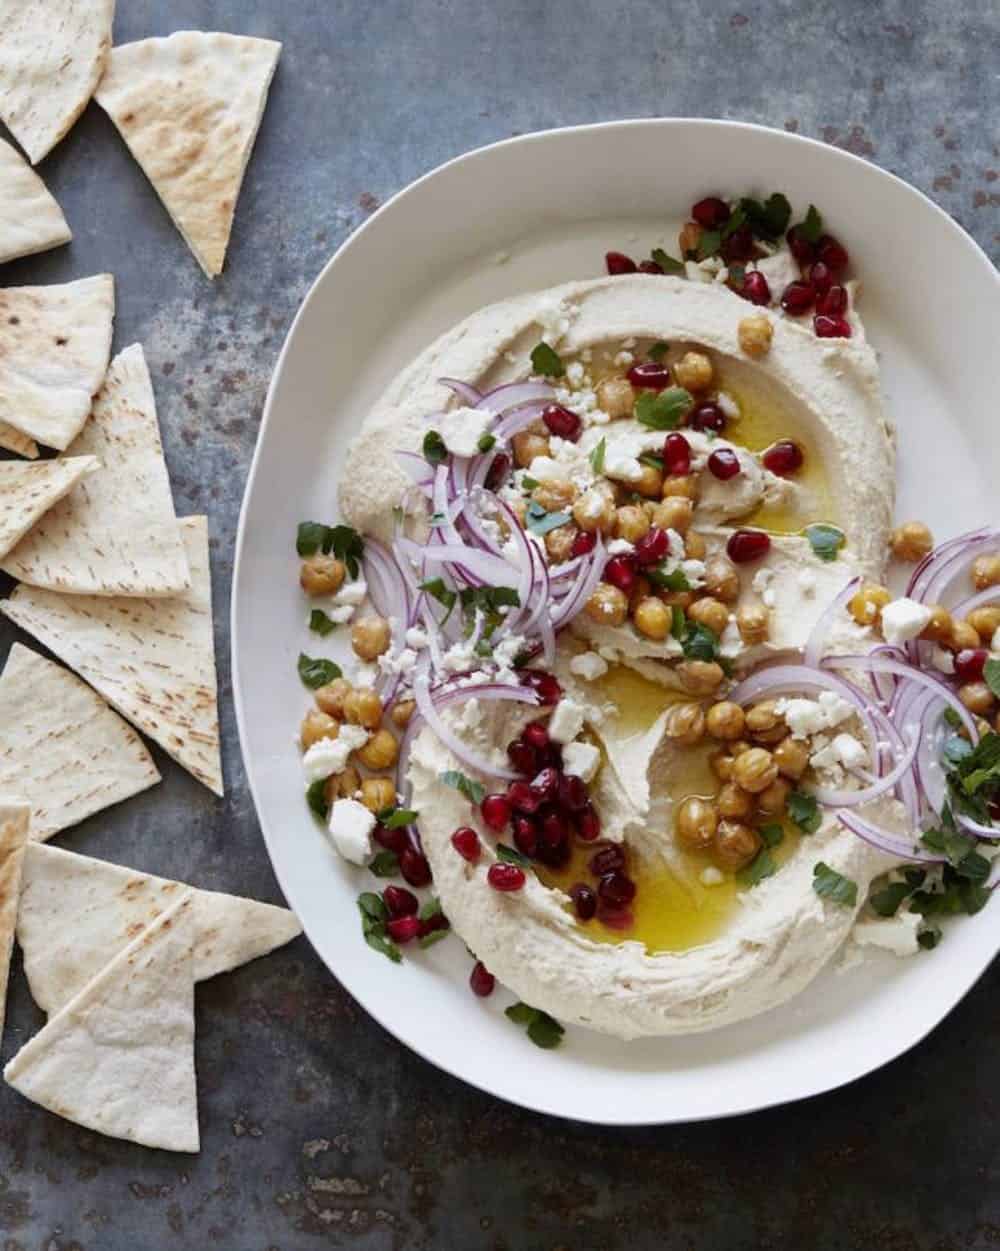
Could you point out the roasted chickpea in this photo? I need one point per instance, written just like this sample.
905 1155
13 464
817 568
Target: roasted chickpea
677 599
363 707
559 543
688 239
700 677
343 785
721 579
649 483
772 799
681 486
725 720
791 756
911 541
695 547
321 575
595 511
755 770
685 724
735 844
985 621
977 697
867 603
316 725
722 765
739 747
370 637
526 446
607 605
380 752
330 698
985 572
710 612
755 334
652 618
938 629
631 523
962 636
401 713
753 623
676 512
616 397
696 824
554 494
765 723
378 794
694 371
734 803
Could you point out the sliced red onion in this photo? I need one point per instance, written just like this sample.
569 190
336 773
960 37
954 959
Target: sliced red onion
586 584
874 664
520 418
934 564
976 827
468 394
430 711
882 839
813 650
417 469
965 606
502 399
844 797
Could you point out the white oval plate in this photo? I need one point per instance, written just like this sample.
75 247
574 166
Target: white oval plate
530 213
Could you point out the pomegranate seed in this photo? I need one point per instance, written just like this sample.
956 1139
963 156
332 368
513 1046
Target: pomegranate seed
536 735
562 422
498 472
608 860
466 843
676 454
400 901
756 288
747 545
505 877
802 249
724 464
620 572
437 922
555 832
544 684
797 298
739 245
481 980
496 811
970 662
820 278
833 302
616 888
525 835
783 457
651 375
652 547
619 263
554 857
521 796
391 840
708 416
522 756
614 918
710 212
403 929
583 544
831 327
551 756
414 867
649 267
588 823
584 900
572 793
833 253
546 784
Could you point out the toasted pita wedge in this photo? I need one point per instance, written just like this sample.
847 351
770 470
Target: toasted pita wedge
116 534
189 107
14 441
27 492
15 817
30 219
77 913
51 59
62 747
152 659
119 1057
54 348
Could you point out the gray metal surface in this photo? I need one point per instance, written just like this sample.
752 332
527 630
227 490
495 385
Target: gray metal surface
318 1129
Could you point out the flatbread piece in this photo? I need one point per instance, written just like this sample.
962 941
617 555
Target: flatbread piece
27 492
15 817
30 219
12 440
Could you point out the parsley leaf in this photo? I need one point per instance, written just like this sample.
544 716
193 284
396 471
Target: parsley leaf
659 349
310 537
508 855
991 675
396 818
952 718
652 460
316 673
486 442
472 790
374 915
770 219
825 540
829 884
812 227
443 594
597 456
434 448
543 1030
929 938
669 265
539 522
663 410
316 798
430 908
804 811
771 834
373 907
344 541
320 623
761 866
699 642
434 936
385 864
678 621
709 243
886 901
674 580
546 362
528 484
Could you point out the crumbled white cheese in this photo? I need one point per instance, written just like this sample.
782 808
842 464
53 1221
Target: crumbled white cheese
675 545
730 640
897 934
842 749
623 360
626 468
805 717
582 759
462 428
711 876
555 318
416 638
728 405
694 571
903 620
351 826
620 547
330 755
341 613
588 665
574 373
943 660
364 675
544 469
459 656
352 592
566 721
404 662
591 505
779 270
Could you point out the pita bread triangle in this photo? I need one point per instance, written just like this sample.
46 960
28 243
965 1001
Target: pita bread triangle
30 219
27 492
14 441
62 747
54 347
189 107
15 818
116 534
77 913
153 660
51 59
119 1057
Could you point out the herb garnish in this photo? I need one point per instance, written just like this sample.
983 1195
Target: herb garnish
508 855
761 866
472 790
543 1030
768 220
651 459
829 884
434 449
528 484
663 410
385 864
886 901
374 915
320 623
316 673
396 818
669 265
825 540
812 227
659 349
699 642
546 362
709 243
316 798
669 580
597 456
443 594
344 541
771 834
539 522
804 811
677 621
486 442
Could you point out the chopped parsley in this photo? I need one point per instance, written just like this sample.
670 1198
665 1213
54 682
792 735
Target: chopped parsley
396 818
811 227
489 600
344 541
316 673
652 460
543 1030
672 580
678 621
763 865
434 449
374 915
662 410
545 361
887 900
771 834
804 811
825 540
473 791
659 348
316 798
768 220
320 623
829 884
974 779
709 243
486 442
508 855
385 864
597 456
528 484
436 588
699 642
539 522
669 265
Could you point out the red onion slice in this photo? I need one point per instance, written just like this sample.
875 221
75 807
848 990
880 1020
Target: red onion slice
813 650
502 399
466 393
843 797
429 710
884 840
874 664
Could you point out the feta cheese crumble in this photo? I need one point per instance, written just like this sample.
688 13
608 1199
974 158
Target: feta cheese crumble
805 717
566 721
351 825
588 665
903 620
330 755
583 759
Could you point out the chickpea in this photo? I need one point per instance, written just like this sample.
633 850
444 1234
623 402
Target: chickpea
755 334
685 724
380 752
322 575
527 446
721 579
595 510
616 397
675 513
709 612
734 803
688 239
649 483
316 725
652 618
792 757
753 623
725 720
554 494
696 823
640 591
700 677
722 765
938 629
739 747
330 698
378 794
765 723
735 844
559 543
977 697
911 541
867 603
631 523
370 637
695 547
677 599
607 605
694 371
772 799
755 770
985 572
343 785
401 713
962 636
683 485
363 707
985 621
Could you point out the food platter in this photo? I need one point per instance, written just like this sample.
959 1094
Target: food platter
453 242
